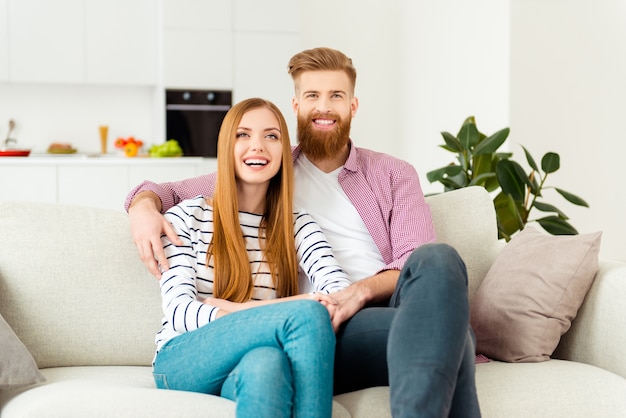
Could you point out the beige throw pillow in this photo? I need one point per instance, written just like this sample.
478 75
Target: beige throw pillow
17 366
531 294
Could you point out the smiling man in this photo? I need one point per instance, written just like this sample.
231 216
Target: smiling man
404 321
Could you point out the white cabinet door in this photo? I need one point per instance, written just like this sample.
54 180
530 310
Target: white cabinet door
266 15
4 42
121 42
27 183
261 67
197 14
197 44
46 41
197 59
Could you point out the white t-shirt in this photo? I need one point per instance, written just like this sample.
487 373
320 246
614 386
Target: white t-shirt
321 195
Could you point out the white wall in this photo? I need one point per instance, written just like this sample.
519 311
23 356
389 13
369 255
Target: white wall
71 113
423 67
551 70
568 83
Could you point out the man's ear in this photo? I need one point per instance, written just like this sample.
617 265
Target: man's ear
354 105
294 105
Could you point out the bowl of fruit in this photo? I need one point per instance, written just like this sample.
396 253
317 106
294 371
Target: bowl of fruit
170 148
129 146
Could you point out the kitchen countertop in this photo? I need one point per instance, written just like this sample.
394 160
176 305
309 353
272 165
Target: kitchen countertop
108 159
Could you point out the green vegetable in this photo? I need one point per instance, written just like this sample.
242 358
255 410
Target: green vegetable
169 148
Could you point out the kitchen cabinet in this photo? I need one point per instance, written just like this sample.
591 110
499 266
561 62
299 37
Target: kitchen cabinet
4 42
197 44
83 41
268 78
46 41
226 45
90 181
284 15
121 42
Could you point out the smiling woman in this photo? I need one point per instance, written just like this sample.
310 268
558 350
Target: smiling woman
237 255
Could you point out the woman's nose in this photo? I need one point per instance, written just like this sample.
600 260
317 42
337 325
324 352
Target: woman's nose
257 144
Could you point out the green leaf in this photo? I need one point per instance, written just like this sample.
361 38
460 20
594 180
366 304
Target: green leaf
530 159
503 155
572 198
468 135
491 144
550 162
483 164
546 207
482 179
508 215
512 179
450 184
557 226
452 143
438 174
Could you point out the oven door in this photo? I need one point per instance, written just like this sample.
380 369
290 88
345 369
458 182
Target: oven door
193 118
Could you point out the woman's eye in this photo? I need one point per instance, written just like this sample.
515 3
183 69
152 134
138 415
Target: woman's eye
241 135
272 136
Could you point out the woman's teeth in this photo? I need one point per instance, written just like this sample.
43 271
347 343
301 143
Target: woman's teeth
255 162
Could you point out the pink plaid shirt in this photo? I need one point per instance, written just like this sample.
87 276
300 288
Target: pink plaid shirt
384 190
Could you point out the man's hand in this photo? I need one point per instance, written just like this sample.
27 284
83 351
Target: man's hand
349 301
147 224
377 288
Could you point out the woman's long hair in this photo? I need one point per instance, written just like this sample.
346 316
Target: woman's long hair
232 273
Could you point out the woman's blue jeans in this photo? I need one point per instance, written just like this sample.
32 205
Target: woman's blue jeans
273 361
421 344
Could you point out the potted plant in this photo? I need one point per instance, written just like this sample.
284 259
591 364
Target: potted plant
517 193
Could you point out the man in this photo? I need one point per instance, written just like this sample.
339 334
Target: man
404 322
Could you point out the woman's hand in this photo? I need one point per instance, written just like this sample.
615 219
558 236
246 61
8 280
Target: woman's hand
225 305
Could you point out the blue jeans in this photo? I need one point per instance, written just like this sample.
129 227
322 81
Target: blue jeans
273 361
421 344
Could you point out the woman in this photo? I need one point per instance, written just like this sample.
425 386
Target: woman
224 331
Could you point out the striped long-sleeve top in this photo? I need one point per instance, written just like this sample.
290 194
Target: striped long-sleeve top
190 280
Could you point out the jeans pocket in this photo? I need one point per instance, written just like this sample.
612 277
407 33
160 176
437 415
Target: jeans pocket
160 380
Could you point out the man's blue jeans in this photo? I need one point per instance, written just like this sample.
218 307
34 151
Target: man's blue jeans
274 361
421 344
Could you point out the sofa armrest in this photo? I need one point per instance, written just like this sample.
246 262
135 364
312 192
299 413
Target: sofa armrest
598 333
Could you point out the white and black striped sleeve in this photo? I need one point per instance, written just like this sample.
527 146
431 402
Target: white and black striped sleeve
179 293
315 256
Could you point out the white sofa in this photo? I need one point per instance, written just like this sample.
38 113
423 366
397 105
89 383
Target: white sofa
74 291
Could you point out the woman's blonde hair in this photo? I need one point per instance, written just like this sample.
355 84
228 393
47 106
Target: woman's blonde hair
232 273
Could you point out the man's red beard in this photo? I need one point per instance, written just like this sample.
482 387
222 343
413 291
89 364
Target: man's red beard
320 145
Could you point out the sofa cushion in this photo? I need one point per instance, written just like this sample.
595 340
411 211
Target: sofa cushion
554 388
73 287
17 366
114 391
531 294
464 218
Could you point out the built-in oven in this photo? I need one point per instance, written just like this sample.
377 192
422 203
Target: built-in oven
193 118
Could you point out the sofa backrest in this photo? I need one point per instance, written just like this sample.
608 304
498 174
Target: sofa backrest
466 219
73 289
